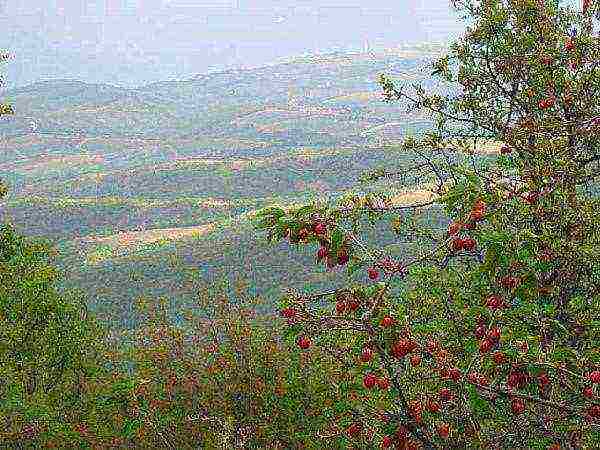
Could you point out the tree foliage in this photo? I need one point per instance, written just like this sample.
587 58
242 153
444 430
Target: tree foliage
489 332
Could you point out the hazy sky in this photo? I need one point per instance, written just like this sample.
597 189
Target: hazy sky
134 42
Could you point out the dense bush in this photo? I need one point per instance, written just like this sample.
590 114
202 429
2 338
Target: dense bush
224 378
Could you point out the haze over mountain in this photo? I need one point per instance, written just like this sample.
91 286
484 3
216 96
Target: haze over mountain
131 43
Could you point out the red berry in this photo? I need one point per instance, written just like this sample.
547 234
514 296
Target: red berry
517 378
547 60
469 244
469 226
433 406
505 150
479 205
454 374
445 394
367 355
485 346
509 282
494 302
288 313
432 346
415 360
353 305
343 257
542 104
499 357
340 307
480 331
570 45
369 380
354 429
494 334
543 379
477 215
387 322
383 383
594 411
554 447
320 228
443 430
454 228
401 434
457 244
531 198
386 442
518 406
322 253
588 392
303 342
594 376
373 273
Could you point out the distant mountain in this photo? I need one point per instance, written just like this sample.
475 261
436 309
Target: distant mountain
313 88
123 180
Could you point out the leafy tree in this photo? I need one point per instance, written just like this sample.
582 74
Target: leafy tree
488 332
48 345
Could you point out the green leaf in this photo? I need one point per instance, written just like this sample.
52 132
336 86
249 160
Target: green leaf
478 405
337 238
305 211
130 427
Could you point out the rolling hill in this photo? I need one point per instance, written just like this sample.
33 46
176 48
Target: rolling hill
151 187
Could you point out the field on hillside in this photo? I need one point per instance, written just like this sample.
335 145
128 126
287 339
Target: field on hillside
150 189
